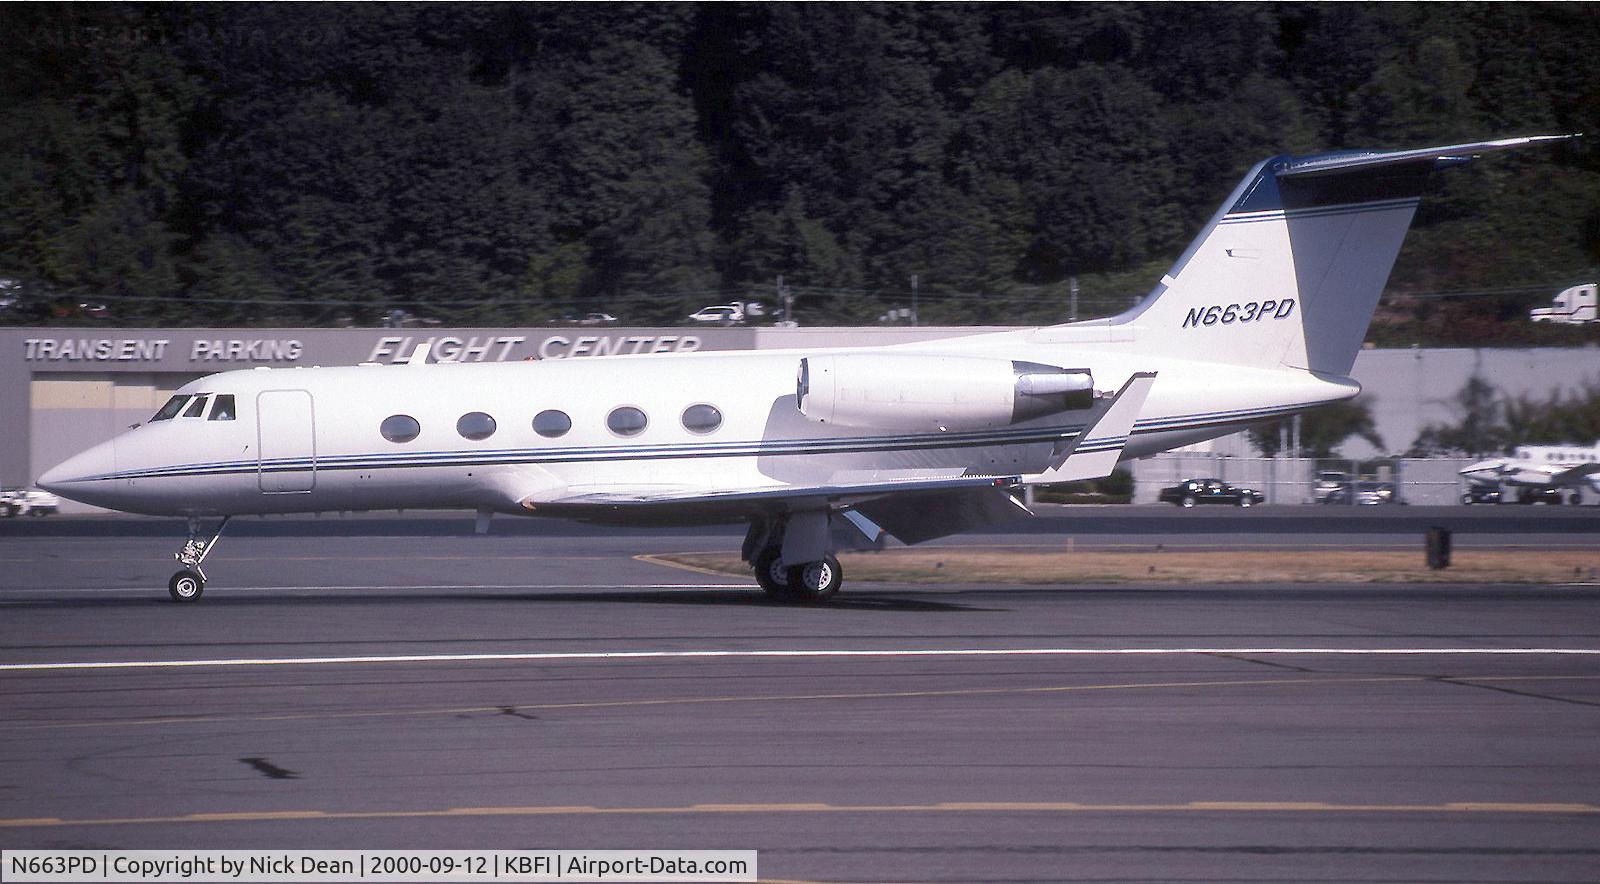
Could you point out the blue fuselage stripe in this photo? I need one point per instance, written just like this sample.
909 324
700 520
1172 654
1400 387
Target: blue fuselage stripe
781 448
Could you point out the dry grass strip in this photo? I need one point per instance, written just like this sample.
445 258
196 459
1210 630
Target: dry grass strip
969 565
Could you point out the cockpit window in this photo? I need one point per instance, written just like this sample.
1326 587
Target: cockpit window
223 410
171 409
197 408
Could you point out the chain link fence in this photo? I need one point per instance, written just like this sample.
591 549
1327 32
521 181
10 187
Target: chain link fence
1288 480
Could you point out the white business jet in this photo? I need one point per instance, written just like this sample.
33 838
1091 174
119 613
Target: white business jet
1539 467
1261 317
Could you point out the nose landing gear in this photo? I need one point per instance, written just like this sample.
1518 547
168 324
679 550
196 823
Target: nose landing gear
189 582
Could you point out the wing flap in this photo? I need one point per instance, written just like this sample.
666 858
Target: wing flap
914 518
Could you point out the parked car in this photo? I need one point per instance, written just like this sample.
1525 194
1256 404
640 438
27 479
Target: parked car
1367 494
1328 481
29 502
1198 491
1491 494
597 319
725 314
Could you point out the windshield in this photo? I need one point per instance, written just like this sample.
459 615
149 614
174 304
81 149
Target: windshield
171 409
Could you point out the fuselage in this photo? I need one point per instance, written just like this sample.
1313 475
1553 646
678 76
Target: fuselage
313 439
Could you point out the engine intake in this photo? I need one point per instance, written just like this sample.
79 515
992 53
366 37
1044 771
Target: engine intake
895 391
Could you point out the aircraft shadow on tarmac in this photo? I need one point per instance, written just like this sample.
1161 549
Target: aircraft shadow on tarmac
904 600
908 599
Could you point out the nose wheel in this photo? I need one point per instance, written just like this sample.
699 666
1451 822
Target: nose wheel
186 586
190 582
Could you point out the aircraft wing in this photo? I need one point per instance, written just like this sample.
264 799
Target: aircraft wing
913 508
1576 474
839 492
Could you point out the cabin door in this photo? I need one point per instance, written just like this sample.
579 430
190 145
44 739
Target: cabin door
286 441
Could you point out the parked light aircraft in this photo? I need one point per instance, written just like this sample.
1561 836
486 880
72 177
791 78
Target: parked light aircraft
1261 317
1541 466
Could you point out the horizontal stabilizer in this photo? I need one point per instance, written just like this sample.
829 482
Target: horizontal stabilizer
1334 163
1096 450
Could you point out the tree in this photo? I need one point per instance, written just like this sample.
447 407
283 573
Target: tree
1322 430
505 162
1561 418
1481 429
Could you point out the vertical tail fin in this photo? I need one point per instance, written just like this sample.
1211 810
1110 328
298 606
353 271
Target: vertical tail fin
1289 270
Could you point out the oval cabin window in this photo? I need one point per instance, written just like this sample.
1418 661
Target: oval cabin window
475 425
400 428
701 418
627 421
551 423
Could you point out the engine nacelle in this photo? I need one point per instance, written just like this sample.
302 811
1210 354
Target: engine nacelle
931 393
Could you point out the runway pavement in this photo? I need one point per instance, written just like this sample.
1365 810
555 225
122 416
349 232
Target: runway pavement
424 688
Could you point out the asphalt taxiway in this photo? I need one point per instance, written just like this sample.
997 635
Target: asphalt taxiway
392 683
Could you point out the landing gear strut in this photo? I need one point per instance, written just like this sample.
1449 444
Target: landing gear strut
785 581
189 582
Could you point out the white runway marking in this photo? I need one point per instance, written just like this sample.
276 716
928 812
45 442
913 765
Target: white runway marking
787 653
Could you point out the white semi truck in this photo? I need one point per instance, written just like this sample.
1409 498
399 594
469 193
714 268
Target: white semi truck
1573 306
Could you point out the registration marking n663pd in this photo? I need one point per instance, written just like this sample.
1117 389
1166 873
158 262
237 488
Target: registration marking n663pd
1249 311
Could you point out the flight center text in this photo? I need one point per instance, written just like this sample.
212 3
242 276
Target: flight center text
502 348
1227 314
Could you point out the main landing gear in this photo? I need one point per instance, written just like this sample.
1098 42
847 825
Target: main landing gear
189 582
808 581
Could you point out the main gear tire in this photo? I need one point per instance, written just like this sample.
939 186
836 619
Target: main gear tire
771 573
816 581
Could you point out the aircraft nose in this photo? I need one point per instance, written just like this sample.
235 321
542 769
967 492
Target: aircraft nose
1481 468
70 476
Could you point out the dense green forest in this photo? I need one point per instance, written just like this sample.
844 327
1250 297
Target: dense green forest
307 163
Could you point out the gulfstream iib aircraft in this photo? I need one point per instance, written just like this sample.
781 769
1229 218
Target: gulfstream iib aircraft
1261 317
